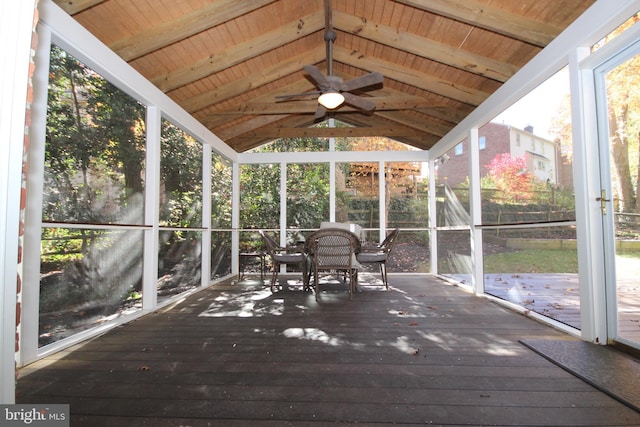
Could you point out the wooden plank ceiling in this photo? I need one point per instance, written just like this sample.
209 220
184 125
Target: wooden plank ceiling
225 61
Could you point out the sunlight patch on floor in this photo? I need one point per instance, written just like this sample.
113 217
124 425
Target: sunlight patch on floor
253 303
314 334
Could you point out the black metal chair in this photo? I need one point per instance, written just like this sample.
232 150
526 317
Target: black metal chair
333 249
280 255
378 254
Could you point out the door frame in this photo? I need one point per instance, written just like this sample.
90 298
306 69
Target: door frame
600 294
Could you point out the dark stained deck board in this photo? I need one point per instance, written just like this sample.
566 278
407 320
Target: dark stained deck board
424 352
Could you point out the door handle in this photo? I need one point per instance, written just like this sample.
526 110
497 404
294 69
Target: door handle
603 201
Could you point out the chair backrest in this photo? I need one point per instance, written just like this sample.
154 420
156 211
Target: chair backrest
270 244
354 228
388 241
332 248
332 252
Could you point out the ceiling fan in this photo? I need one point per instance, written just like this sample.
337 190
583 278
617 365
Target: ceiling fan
332 90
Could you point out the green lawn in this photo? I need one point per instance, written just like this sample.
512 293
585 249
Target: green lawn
553 261
532 261
541 261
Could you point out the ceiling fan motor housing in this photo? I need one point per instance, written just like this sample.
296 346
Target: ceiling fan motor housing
330 36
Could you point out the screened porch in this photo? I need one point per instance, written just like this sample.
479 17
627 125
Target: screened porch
139 202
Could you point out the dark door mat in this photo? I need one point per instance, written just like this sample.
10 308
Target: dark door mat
605 368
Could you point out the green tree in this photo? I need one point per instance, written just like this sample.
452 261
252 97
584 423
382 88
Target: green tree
308 195
623 97
68 147
119 131
623 105
181 178
94 152
221 192
260 196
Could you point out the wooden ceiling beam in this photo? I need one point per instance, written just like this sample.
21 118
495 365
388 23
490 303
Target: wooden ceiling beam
397 119
392 118
244 143
252 81
298 127
212 120
76 6
425 48
343 132
248 126
490 18
437 129
169 32
409 76
423 139
216 62
448 113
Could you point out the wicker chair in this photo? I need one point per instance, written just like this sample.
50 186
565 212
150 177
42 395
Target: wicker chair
378 254
280 255
333 249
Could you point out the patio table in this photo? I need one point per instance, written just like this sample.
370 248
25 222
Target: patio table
244 258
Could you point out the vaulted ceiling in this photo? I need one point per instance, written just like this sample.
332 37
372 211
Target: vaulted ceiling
225 61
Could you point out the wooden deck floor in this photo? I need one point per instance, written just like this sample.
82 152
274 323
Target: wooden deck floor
558 296
424 352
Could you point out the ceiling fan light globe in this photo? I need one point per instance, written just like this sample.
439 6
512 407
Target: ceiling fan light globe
331 100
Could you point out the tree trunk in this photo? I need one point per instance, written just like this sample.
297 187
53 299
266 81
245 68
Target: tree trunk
637 209
620 157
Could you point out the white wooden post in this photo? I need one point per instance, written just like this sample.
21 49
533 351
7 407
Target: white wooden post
16 29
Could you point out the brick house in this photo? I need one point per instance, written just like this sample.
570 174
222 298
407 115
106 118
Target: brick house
542 155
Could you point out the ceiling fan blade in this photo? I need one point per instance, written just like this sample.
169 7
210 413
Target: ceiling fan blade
320 112
317 75
299 95
362 81
358 102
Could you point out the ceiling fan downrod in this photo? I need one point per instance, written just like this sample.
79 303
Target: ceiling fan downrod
330 38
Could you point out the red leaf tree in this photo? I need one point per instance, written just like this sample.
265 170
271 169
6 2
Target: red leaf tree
510 176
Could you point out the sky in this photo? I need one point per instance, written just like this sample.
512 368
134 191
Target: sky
539 106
